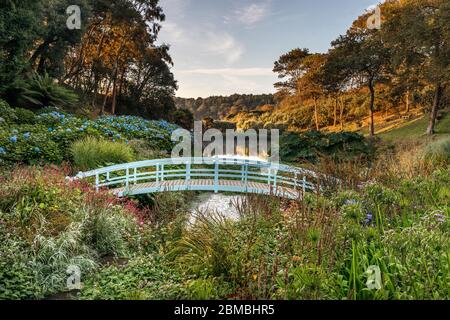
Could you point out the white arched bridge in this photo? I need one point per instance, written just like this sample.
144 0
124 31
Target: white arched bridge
217 174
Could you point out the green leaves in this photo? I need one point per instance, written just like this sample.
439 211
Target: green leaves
93 153
309 146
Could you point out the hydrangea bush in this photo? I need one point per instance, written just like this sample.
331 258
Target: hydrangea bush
53 132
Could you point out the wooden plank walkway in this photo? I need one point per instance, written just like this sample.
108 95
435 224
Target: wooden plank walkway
208 185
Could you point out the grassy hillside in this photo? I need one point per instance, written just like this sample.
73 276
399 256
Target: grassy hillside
416 128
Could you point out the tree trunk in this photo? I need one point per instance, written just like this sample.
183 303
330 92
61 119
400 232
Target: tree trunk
94 99
105 99
371 107
122 78
407 101
316 114
335 112
435 109
341 115
116 74
114 95
38 53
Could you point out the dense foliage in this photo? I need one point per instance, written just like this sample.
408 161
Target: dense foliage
219 107
396 219
112 62
309 146
318 249
47 225
48 135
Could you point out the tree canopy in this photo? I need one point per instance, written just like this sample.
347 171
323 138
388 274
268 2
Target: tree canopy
111 60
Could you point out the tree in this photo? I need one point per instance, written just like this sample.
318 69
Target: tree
360 57
118 59
19 29
288 67
418 31
309 84
184 118
55 38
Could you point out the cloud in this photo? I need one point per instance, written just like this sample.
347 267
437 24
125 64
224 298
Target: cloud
172 32
231 72
204 82
253 13
223 45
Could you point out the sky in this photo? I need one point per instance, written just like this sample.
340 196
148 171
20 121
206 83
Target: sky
223 47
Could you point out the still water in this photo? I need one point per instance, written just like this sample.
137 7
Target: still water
216 203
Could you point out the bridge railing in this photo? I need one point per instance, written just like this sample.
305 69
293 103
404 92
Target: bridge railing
217 168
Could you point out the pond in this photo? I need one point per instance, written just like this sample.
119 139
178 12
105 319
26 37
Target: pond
224 204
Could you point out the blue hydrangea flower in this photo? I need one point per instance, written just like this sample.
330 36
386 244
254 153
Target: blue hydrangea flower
26 135
13 139
69 130
50 129
369 218
2 151
37 150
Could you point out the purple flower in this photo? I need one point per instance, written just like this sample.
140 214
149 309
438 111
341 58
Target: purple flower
369 218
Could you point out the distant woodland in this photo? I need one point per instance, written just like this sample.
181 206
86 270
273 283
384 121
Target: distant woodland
218 107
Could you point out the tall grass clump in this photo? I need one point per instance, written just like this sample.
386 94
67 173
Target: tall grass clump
438 152
91 153
48 224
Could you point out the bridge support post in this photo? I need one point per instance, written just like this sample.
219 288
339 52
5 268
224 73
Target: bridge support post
97 181
188 174
127 178
216 177
275 181
295 181
246 177
304 184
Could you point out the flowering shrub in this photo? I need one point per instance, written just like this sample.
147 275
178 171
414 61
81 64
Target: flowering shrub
53 133
48 224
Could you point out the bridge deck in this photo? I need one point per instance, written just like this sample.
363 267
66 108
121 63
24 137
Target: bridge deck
208 184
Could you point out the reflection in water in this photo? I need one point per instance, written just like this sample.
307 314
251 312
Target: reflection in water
216 203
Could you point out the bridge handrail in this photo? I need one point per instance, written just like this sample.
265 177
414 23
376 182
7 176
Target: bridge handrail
275 176
194 160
